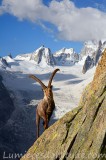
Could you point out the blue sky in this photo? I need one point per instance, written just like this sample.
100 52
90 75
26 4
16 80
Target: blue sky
23 32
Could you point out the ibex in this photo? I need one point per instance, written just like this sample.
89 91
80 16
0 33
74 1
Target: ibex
46 106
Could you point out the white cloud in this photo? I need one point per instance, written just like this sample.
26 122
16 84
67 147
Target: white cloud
72 23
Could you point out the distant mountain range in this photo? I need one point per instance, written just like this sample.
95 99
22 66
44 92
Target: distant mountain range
88 57
43 57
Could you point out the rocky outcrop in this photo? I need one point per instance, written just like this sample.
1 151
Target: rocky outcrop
81 133
89 63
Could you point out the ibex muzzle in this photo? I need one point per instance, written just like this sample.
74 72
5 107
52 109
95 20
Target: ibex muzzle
46 106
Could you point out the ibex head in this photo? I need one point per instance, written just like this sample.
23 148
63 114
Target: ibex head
46 89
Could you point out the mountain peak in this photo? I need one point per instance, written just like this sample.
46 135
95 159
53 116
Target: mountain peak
41 47
66 56
43 57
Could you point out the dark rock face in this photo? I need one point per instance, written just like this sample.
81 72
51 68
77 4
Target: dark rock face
89 63
6 109
97 55
4 62
10 56
81 133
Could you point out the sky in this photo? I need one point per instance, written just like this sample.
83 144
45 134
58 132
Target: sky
26 25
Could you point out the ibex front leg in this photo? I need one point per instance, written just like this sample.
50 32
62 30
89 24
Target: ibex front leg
45 118
37 123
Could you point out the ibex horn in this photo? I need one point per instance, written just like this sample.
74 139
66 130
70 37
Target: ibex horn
38 80
51 78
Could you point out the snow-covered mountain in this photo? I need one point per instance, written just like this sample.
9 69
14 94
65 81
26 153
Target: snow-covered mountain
43 56
89 48
23 56
88 57
66 56
91 54
8 59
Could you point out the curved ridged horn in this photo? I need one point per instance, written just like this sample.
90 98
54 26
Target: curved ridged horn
38 80
51 78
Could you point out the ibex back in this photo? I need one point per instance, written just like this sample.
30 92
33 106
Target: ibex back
46 106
